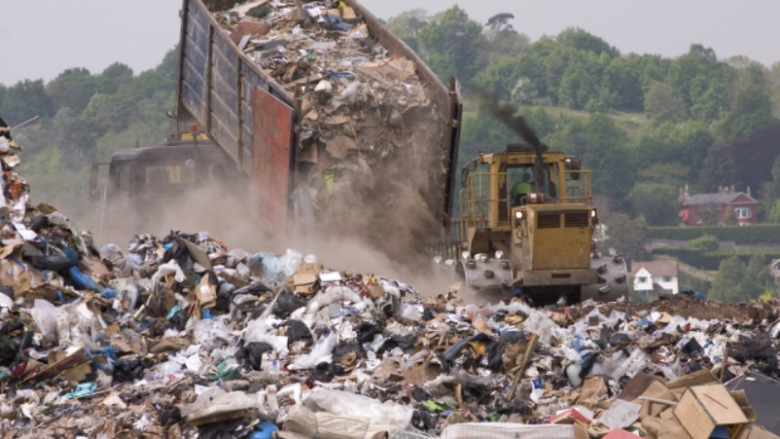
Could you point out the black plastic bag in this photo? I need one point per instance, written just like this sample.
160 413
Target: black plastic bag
366 331
345 348
255 289
494 349
404 342
326 372
38 223
128 370
516 406
168 415
179 253
179 319
8 291
51 263
287 304
692 348
297 331
251 355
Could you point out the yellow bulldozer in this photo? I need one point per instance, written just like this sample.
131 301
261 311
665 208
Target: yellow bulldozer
526 227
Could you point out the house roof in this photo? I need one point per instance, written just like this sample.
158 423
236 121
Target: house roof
656 268
717 199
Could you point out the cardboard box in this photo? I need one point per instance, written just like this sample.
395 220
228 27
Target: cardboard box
305 278
703 409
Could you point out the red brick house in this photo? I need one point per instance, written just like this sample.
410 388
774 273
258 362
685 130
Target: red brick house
713 209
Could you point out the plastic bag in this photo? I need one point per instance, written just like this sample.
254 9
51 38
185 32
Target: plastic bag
168 269
45 316
354 93
251 355
360 407
210 334
290 261
320 353
332 295
82 281
112 252
287 304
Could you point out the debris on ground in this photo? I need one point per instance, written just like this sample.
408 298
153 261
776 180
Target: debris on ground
183 337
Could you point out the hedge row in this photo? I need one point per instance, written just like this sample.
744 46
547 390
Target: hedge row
755 234
703 261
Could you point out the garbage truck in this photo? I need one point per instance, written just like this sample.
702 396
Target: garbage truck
308 109
316 114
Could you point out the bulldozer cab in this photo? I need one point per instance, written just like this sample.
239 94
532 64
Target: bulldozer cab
495 184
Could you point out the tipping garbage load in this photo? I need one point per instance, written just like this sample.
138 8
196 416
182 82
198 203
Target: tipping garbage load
309 109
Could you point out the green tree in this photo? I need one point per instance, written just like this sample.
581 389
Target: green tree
451 45
698 62
709 100
729 282
408 25
25 100
582 40
752 111
717 169
757 279
657 203
704 243
627 236
609 157
683 143
579 84
663 103
72 88
3 90
668 174
114 79
770 192
774 214
625 85
504 40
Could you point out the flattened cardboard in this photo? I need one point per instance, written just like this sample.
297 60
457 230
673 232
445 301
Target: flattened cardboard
704 408
593 391
699 378
637 386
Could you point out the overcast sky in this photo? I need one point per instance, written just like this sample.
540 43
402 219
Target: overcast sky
39 39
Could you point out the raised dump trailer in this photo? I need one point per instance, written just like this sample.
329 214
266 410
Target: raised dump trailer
327 101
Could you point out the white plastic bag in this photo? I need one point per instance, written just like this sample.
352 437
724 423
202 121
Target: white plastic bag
321 353
168 269
45 316
360 407
210 334
290 261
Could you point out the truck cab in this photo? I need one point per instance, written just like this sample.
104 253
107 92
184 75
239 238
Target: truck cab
144 183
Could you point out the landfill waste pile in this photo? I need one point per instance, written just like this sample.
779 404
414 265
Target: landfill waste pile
181 337
365 114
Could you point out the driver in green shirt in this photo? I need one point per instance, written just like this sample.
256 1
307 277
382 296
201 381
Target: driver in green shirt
521 189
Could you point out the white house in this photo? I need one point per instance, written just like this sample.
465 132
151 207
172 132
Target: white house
655 277
774 269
